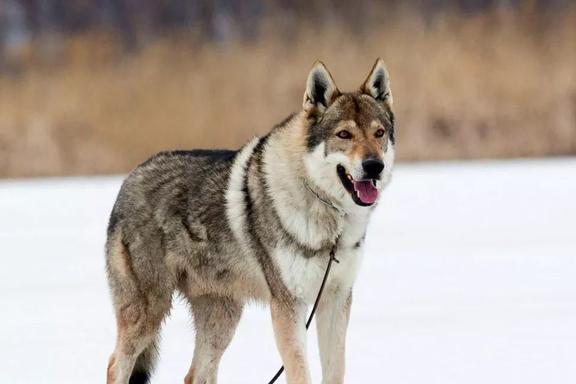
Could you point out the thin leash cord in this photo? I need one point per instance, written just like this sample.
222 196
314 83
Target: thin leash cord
315 307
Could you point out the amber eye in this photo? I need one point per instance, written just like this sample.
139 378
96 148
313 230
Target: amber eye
344 134
379 133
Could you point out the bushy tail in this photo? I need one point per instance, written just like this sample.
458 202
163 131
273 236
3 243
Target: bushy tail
144 365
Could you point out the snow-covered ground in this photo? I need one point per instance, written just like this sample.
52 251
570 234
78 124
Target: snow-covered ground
469 277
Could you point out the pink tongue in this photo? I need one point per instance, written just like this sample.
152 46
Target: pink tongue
366 191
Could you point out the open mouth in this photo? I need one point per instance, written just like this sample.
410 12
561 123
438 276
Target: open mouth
363 192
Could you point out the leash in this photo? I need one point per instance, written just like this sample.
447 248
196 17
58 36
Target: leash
315 307
332 259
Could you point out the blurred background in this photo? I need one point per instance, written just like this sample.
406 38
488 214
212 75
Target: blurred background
96 86
469 269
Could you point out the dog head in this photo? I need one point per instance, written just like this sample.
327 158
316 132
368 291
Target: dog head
350 139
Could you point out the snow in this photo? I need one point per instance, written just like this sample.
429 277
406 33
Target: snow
469 277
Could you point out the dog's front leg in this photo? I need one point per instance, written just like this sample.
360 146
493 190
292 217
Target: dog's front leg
331 324
289 323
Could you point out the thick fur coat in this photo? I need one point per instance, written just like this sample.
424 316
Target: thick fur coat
223 228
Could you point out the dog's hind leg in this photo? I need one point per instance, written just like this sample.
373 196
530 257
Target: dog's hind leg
140 305
215 320
135 353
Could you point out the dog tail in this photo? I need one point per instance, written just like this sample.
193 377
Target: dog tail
144 365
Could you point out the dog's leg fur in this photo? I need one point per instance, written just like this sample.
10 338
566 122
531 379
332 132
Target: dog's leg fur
134 355
289 323
139 315
331 324
215 320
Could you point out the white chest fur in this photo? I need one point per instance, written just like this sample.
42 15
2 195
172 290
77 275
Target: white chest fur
303 275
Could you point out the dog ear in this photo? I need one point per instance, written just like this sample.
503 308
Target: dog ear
321 91
377 84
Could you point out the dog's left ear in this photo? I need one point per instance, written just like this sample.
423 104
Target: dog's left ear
377 84
321 90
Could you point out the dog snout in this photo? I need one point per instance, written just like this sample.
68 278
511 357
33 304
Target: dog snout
372 168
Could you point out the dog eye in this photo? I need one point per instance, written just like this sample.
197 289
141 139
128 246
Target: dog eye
344 134
379 133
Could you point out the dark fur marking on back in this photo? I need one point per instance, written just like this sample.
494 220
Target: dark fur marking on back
163 182
220 154
217 154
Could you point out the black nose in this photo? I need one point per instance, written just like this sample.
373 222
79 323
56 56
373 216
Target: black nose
372 167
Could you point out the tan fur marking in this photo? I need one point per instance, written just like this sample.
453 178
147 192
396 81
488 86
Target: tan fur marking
189 376
118 257
110 371
365 147
375 125
297 141
358 151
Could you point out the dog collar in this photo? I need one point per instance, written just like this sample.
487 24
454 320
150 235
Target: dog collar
326 202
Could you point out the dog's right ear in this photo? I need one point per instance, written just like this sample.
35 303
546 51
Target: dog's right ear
321 91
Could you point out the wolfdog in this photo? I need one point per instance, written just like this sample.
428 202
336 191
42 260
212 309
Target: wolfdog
226 227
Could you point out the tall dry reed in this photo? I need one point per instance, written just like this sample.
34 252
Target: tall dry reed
500 84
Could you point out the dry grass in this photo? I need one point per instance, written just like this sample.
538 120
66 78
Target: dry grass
496 85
